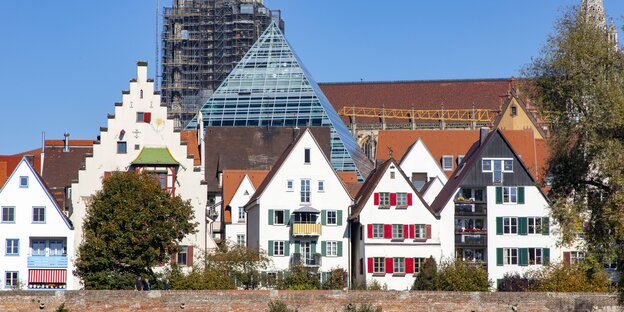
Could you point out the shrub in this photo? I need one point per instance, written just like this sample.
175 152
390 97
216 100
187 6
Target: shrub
515 282
199 279
335 279
426 279
375 285
570 278
299 278
458 276
366 307
280 306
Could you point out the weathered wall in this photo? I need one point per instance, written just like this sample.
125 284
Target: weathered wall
306 301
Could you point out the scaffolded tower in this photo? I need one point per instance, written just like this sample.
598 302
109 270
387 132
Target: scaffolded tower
270 87
202 41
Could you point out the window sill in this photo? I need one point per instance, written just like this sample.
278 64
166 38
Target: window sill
384 207
420 240
12 255
401 207
38 222
398 274
397 239
7 222
379 274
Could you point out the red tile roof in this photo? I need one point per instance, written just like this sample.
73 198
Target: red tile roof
192 148
9 162
233 178
349 178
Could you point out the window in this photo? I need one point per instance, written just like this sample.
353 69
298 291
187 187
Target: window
183 256
510 195
361 266
38 247
399 265
379 265
306 156
141 94
447 163
510 256
289 185
535 225
397 231
535 256
459 159
11 279
38 214
497 176
510 225
419 179
240 239
418 264
384 199
12 247
241 214
278 248
391 174
8 214
140 117
378 231
332 249
121 147
507 165
278 217
497 167
332 217
419 231
321 186
305 191
486 165
401 199
576 257
514 110
137 147
57 248
23 182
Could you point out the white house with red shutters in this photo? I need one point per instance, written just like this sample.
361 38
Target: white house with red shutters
395 230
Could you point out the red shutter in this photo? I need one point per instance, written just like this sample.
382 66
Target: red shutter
370 265
392 199
389 263
147 117
370 230
174 258
107 174
189 255
411 231
567 258
409 199
387 230
428 231
376 199
409 265
405 231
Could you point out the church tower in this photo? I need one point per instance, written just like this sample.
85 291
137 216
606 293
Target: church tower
594 12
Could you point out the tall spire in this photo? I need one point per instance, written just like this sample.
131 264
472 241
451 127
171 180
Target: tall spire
594 12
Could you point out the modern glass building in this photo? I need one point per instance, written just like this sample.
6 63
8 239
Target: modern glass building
270 87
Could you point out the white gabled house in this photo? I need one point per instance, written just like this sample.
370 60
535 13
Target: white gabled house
423 170
238 187
299 213
395 230
37 238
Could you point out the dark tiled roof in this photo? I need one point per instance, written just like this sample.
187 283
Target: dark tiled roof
61 168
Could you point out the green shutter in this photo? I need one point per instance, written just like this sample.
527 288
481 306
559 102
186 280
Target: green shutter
499 225
313 247
499 281
499 195
271 216
324 248
546 256
523 256
270 248
324 217
286 248
545 226
286 216
339 249
325 276
339 214
520 194
297 248
499 256
523 226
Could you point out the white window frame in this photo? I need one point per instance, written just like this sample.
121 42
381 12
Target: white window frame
447 157
510 256
34 247
398 231
398 265
241 215
418 264
275 219
536 256
290 186
379 265
510 195
384 199
535 225
23 179
331 248
401 200
335 217
33 214
509 226
304 194
321 186
492 165
278 248
12 281
5 210
378 230
576 257
240 240
182 253
14 247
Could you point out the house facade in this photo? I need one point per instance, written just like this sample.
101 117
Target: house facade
299 213
238 187
37 238
423 170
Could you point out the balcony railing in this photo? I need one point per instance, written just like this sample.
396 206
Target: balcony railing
471 239
470 209
47 262
299 259
306 229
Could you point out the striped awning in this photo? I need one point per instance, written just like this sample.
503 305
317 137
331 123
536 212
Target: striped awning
47 276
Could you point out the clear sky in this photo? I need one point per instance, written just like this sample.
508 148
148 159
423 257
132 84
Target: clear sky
63 64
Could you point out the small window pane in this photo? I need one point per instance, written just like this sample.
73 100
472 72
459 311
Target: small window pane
8 214
121 148
279 217
38 214
23 181
332 217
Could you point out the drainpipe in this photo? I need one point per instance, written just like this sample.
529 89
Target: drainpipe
42 152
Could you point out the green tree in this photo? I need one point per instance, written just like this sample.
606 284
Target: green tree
577 80
241 264
459 276
199 279
570 278
131 226
426 279
300 277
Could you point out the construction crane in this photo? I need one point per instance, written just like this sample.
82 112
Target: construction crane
467 115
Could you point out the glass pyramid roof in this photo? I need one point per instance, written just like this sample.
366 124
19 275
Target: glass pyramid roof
270 87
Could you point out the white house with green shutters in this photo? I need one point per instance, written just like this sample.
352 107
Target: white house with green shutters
299 213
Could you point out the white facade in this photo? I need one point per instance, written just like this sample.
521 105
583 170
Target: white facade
236 231
141 122
292 225
419 162
37 239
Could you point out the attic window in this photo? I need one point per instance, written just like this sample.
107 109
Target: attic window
144 117
514 110
447 162
246 192
391 174
141 93
306 156
23 182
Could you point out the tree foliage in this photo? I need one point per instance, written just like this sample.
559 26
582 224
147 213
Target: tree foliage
199 279
426 279
299 277
578 81
569 278
336 279
452 276
131 226
241 264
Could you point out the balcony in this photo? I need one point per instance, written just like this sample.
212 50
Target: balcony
470 239
299 259
306 229
465 208
47 262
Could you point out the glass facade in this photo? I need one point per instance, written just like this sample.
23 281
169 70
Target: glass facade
270 87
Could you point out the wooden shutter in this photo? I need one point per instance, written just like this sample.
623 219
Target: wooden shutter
286 216
520 194
409 265
545 226
271 248
313 247
499 225
189 256
376 199
370 230
499 195
567 258
370 265
339 249
392 199
297 248
387 230
286 248
499 256
409 199
523 226
389 265
271 216
411 231
323 248
339 217
147 117
405 231
324 217
523 256
545 256
428 231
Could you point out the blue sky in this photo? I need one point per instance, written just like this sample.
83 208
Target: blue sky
64 64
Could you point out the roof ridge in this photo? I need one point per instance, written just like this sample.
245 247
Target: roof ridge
419 81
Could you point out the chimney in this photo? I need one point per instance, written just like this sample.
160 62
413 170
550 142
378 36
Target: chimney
483 133
66 143
295 133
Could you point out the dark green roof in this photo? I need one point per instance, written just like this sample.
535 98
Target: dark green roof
155 156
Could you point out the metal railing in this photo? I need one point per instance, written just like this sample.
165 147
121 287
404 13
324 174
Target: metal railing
470 209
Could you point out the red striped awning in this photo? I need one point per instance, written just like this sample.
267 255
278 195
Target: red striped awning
47 276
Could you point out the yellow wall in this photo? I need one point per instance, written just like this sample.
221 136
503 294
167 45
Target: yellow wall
520 121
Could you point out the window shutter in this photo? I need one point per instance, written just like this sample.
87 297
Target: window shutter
499 195
297 248
409 199
313 247
271 248
409 265
370 265
499 256
339 216
324 217
174 258
405 231
339 249
286 248
545 256
287 216
376 199
428 231
271 214
545 226
323 248
389 263
567 258
370 230
523 256
107 174
411 231
523 226
147 117
499 225
392 199
520 194
189 256
387 230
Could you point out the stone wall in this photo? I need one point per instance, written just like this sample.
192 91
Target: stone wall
305 300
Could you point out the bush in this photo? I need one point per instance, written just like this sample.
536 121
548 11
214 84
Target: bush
458 276
299 278
335 279
199 279
571 278
366 307
375 285
426 279
280 306
515 282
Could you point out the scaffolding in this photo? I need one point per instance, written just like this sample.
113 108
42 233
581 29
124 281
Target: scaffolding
202 41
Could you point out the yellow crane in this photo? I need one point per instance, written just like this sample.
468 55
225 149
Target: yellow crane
469 115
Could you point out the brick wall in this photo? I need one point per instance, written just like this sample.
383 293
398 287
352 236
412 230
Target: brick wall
306 301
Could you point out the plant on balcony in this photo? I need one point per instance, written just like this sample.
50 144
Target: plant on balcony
460 198
471 230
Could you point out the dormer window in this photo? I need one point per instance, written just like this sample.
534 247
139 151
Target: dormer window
447 162
514 110
306 156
